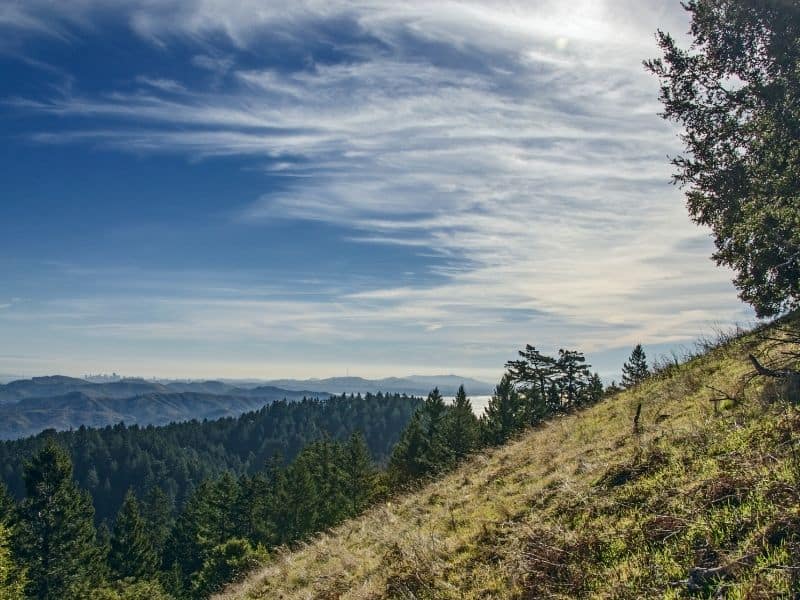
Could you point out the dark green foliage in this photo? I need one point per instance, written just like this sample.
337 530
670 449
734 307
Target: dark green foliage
172 582
423 448
408 461
635 369
535 407
132 554
297 502
573 378
359 474
325 461
736 93
462 428
549 384
56 537
207 520
252 510
157 510
129 590
505 413
12 580
533 370
184 550
435 415
176 458
226 563
7 508
595 390
103 542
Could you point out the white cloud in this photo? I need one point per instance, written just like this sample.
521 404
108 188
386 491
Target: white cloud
516 141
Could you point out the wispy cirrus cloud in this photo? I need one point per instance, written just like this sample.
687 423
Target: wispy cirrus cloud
516 142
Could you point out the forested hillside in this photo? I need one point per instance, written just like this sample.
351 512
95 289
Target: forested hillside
111 460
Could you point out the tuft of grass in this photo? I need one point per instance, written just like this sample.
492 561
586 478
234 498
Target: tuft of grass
701 501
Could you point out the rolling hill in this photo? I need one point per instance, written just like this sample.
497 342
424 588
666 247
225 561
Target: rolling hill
33 405
29 406
59 385
697 497
71 410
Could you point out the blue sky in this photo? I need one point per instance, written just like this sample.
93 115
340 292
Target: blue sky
209 188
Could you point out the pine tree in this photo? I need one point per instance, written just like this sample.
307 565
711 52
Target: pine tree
157 511
12 579
534 369
325 459
635 369
504 413
207 520
270 514
437 455
535 406
595 391
359 474
462 426
251 512
130 589
7 506
298 502
132 554
575 376
187 542
56 533
734 91
408 460
222 503
173 581
226 563
554 397
103 542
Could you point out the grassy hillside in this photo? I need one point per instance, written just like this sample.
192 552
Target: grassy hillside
702 502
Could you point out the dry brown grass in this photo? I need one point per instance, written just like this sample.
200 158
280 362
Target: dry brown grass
583 507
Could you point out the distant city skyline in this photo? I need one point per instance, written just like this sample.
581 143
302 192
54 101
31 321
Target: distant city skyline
195 189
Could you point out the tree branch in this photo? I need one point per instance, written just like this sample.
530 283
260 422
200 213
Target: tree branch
775 374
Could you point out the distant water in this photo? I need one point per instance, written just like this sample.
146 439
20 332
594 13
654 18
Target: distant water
478 403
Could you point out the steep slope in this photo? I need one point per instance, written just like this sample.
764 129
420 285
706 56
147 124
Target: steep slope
702 501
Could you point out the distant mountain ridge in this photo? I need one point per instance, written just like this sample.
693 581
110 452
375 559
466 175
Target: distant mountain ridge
30 406
414 384
57 385
71 410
